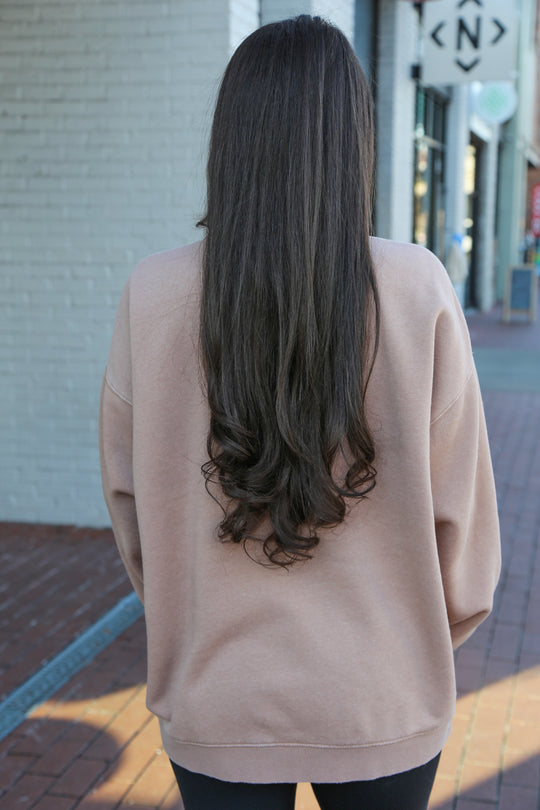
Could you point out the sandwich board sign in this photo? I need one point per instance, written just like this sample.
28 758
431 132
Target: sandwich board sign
520 297
469 40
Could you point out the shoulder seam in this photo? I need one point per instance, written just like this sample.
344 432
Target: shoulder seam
115 390
456 398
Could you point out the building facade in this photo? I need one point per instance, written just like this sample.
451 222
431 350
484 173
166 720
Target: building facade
105 116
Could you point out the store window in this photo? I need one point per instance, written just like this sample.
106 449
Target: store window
428 223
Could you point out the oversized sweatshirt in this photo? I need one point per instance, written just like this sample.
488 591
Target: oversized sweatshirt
340 668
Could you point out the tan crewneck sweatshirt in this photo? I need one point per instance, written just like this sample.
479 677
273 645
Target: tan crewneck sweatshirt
341 668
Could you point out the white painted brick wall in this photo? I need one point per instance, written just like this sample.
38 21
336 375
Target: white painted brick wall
396 52
105 107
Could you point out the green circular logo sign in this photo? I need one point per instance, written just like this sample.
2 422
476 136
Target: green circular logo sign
496 102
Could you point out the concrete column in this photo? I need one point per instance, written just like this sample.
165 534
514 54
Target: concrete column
486 230
340 12
397 43
511 202
244 17
457 139
272 10
517 134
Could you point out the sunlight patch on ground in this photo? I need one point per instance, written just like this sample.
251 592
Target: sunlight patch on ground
497 728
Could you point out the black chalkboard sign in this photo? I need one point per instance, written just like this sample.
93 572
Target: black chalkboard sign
521 292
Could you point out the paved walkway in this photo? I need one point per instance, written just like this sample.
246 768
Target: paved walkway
48 592
94 746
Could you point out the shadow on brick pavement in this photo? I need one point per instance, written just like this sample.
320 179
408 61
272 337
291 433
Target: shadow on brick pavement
94 746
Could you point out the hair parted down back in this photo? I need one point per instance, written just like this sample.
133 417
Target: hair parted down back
289 314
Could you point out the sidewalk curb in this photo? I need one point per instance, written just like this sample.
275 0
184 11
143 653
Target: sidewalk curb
63 666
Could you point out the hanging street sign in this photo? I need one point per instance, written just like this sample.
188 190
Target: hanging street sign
469 40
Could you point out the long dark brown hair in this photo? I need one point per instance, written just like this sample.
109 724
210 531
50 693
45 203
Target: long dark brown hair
289 315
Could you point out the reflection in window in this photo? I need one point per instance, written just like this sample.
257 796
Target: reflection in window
429 171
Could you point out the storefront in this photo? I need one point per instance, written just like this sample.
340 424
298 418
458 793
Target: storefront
429 168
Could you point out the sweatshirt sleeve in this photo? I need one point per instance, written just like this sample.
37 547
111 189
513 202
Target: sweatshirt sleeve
465 508
116 447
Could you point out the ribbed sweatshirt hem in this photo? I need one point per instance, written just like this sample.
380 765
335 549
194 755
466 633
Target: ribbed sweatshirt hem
292 762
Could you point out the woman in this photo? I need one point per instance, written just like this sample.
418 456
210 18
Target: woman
295 459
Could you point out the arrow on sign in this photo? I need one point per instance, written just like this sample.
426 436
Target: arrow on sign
468 67
500 33
435 34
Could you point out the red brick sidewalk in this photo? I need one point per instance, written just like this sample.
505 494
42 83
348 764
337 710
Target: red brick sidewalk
94 746
492 759
56 581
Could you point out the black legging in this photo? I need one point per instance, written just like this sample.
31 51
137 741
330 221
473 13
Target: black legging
402 791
